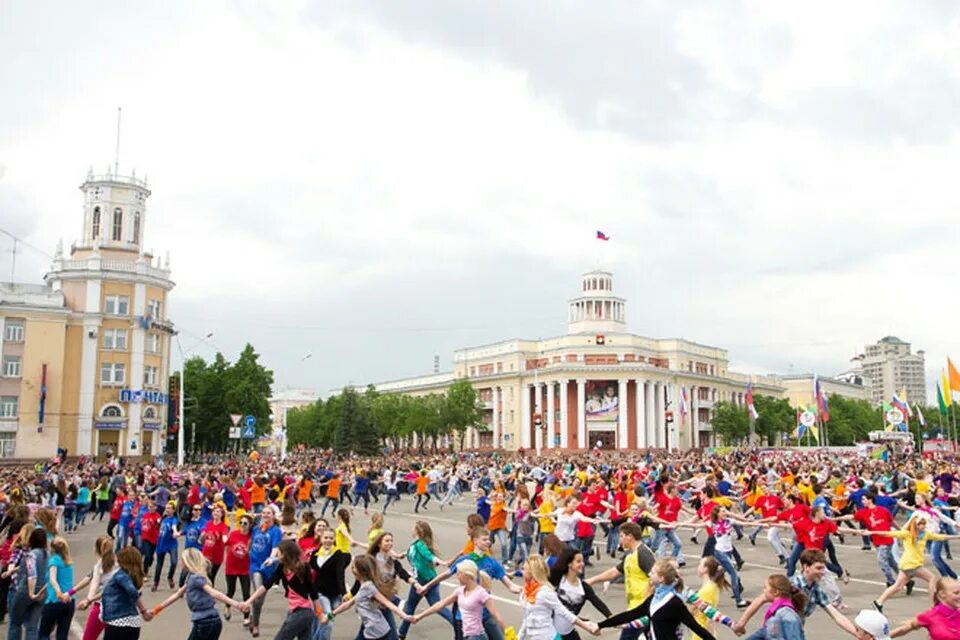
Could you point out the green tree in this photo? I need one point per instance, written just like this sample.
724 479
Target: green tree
775 417
730 422
461 409
213 391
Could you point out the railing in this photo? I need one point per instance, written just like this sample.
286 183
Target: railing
137 268
109 177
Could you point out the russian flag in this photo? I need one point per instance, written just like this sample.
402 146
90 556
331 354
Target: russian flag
752 409
602 236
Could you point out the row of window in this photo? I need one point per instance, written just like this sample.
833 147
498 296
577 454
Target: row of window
10 407
117 305
115 373
116 340
117 227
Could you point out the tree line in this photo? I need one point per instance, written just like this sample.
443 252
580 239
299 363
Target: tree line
850 421
362 423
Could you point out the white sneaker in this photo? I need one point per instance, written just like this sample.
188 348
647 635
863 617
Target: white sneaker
606 585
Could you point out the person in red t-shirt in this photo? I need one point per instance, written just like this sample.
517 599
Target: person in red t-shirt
149 534
214 537
668 506
590 506
237 561
769 505
116 509
874 518
811 533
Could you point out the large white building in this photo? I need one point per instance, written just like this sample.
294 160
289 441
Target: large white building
888 367
598 384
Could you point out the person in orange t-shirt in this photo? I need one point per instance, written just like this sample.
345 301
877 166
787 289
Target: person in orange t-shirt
258 495
304 491
333 494
497 524
422 482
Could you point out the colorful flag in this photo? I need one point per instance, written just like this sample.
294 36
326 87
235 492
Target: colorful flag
900 404
941 404
602 236
886 423
923 422
821 397
752 409
947 399
954 376
906 402
43 393
684 407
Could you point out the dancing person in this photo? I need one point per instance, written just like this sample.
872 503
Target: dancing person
121 602
572 592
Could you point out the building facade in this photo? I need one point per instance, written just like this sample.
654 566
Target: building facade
889 367
798 389
107 366
598 385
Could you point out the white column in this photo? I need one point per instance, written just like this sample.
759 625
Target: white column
581 414
673 392
694 424
136 345
641 414
660 414
89 373
564 420
623 415
651 406
525 416
551 414
497 400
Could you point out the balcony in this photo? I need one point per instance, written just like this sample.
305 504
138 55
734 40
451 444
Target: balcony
65 268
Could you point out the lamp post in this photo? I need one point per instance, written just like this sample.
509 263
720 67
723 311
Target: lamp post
183 397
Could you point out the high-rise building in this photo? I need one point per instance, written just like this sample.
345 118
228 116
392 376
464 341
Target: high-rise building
92 347
889 367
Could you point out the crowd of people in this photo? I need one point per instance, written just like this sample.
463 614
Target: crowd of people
536 525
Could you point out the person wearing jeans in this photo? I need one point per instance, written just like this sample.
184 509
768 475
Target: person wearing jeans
721 523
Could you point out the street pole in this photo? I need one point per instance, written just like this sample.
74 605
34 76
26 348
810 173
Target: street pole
180 401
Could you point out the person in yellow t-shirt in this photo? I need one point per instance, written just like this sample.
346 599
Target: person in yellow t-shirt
714 579
547 525
914 536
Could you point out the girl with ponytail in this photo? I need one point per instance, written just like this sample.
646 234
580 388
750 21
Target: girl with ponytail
783 619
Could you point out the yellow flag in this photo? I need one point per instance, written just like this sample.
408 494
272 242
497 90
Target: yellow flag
946 390
954 376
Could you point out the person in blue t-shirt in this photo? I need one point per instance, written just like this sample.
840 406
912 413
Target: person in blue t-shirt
191 535
264 540
167 544
483 505
123 525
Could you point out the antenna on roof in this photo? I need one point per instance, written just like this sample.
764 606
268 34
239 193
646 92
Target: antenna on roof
116 154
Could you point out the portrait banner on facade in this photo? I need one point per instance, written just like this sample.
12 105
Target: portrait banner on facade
602 401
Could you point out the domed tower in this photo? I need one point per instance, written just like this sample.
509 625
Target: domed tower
597 309
118 332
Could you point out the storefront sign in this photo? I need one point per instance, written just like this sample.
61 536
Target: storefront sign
114 424
143 395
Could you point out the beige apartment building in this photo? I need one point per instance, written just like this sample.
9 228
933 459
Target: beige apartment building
597 385
889 366
798 389
100 331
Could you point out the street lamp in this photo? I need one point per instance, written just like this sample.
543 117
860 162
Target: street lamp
183 396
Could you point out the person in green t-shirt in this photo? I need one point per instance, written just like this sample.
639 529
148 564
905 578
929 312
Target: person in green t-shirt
422 556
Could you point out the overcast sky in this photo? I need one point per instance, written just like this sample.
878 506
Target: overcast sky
374 183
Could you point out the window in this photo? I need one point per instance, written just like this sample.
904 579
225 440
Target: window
136 227
9 406
153 343
115 339
117 223
149 413
112 411
96 222
116 305
11 366
13 331
150 376
8 444
111 374
153 309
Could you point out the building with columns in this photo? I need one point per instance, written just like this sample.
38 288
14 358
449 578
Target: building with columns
92 345
597 385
